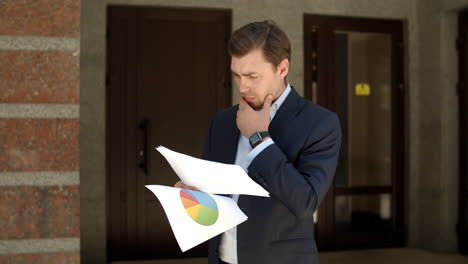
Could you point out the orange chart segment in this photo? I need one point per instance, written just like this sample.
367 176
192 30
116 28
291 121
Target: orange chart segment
188 203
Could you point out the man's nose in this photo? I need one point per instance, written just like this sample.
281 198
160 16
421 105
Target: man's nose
243 88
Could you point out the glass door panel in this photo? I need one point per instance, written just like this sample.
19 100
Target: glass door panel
366 58
363 213
354 67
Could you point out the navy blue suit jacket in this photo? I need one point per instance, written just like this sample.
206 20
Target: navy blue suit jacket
297 171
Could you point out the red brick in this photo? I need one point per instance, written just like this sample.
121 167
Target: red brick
53 18
39 145
39 212
45 258
39 77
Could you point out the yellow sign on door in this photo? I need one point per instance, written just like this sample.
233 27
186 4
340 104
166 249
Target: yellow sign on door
363 89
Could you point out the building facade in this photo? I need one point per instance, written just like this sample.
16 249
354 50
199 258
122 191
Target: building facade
54 62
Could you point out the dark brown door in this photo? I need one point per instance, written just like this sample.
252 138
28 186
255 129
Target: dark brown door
168 73
463 104
355 68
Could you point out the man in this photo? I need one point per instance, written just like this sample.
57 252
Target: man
286 144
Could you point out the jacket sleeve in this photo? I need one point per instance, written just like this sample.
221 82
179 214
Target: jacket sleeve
301 184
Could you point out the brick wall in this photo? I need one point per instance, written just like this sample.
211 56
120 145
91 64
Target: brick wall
39 130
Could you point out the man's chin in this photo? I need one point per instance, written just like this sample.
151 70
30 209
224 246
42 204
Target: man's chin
256 106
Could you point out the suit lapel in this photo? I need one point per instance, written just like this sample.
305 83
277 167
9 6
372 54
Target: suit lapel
288 110
232 134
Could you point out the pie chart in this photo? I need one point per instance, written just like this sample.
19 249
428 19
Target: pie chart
201 207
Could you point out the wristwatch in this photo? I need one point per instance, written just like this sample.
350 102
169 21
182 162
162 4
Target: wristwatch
257 138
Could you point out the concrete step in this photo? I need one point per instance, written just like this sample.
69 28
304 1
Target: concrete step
380 256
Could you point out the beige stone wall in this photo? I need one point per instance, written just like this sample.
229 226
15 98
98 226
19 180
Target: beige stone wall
438 152
431 150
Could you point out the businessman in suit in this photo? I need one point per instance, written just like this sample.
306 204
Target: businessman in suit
284 142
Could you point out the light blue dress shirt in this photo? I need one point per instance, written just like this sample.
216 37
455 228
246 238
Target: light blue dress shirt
244 156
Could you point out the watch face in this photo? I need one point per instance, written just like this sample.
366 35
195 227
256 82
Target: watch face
254 139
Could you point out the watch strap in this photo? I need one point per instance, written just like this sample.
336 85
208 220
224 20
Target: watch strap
257 138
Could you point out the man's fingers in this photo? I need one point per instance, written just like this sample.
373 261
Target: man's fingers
242 103
182 185
192 188
179 184
267 102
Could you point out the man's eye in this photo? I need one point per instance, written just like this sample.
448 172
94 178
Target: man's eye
252 77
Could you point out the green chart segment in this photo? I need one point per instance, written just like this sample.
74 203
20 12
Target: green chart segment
201 207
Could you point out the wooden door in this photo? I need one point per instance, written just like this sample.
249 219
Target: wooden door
168 73
462 46
355 67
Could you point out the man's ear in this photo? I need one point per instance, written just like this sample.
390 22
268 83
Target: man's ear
283 68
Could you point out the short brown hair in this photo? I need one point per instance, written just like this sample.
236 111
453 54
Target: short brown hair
264 35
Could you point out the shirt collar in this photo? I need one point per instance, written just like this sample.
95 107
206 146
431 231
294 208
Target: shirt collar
277 104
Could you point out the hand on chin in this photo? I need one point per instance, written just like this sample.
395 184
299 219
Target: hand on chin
250 120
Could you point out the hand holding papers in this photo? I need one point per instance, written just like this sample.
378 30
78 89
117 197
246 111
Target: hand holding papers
198 216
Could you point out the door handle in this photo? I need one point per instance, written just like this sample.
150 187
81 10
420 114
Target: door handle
143 151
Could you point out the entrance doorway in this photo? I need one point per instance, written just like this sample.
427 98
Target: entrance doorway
463 108
168 72
355 67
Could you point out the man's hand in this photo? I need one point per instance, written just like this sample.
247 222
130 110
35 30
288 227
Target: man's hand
250 121
182 185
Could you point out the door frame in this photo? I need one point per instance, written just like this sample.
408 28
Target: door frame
316 39
462 226
115 14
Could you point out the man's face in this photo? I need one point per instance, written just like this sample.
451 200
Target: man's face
256 78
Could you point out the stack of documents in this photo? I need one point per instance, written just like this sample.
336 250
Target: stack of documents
196 216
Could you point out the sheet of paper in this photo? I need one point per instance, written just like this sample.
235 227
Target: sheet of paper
196 216
212 177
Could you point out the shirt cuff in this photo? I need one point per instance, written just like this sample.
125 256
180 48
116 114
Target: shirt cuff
255 151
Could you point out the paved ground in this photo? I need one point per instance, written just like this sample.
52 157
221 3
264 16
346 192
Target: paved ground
380 256
390 256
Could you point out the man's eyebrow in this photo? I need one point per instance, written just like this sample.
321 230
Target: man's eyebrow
245 74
